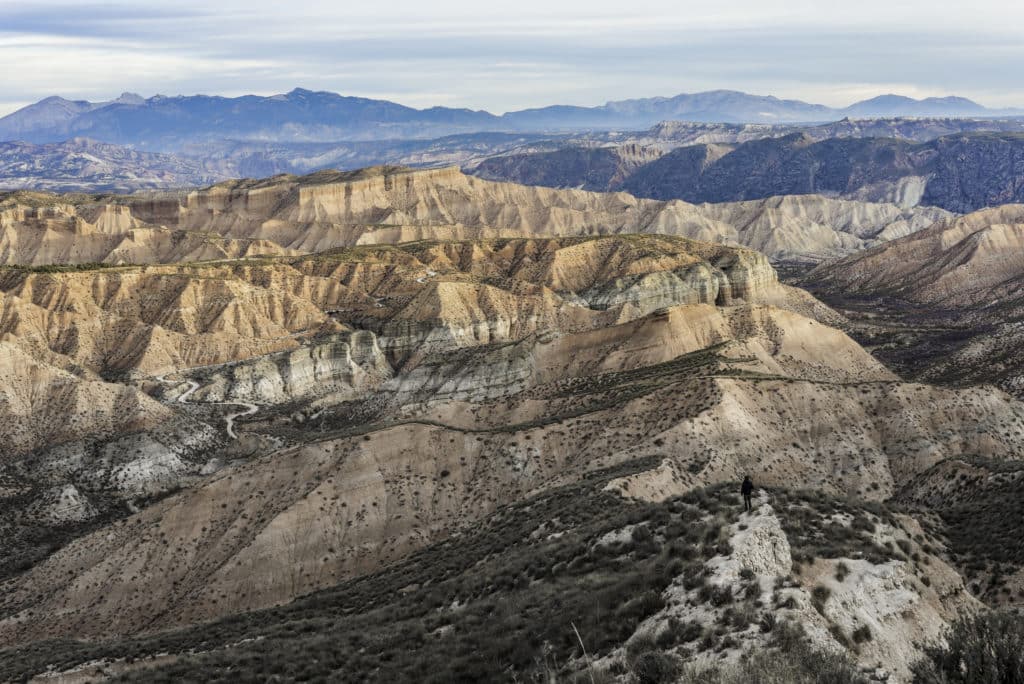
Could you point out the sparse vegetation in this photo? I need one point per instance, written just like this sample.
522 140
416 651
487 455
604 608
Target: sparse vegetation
484 604
809 519
790 659
513 569
983 649
60 268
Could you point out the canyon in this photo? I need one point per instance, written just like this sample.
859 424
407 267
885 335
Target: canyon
286 415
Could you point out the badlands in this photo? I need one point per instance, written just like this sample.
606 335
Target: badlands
400 425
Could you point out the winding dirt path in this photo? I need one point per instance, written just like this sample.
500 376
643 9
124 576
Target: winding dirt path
229 419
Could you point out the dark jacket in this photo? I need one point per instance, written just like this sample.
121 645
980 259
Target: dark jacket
748 488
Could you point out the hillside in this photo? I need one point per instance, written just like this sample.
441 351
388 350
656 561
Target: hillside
372 424
533 575
955 291
590 160
959 173
564 382
385 205
600 169
82 163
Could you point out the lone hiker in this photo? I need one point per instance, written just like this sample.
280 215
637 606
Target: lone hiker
747 489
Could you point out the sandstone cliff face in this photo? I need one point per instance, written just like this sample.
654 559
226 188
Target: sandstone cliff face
417 298
108 233
446 204
327 210
124 320
344 365
964 275
956 263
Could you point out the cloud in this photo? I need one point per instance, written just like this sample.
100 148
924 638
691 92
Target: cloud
510 55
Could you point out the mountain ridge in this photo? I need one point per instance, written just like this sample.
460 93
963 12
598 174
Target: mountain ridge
161 123
380 205
454 411
961 172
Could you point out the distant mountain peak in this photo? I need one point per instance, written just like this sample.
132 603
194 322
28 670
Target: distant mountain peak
168 124
54 99
900 105
130 99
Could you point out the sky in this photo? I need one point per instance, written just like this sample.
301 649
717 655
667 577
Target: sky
502 56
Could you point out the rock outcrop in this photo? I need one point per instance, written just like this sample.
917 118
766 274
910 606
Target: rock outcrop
68 234
198 440
344 365
895 607
958 172
387 205
964 275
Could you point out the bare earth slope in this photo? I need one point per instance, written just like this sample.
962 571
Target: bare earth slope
326 210
492 369
218 438
963 278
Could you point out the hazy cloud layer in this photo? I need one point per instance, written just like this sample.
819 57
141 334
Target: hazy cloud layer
509 55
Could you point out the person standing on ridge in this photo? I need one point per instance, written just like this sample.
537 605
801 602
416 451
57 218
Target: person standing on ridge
747 489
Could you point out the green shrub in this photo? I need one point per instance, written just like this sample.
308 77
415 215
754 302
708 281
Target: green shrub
791 660
819 597
861 634
655 667
984 649
721 596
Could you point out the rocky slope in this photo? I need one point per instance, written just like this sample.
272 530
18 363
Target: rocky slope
959 173
589 168
80 163
117 321
48 401
220 340
967 262
287 215
403 443
811 228
591 160
706 587
409 427
955 291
